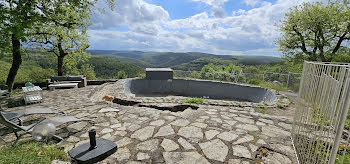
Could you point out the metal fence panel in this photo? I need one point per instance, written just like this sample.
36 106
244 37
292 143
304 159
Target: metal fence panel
322 109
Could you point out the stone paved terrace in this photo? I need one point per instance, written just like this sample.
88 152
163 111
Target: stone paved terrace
233 133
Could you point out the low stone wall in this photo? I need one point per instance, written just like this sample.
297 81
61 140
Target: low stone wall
199 88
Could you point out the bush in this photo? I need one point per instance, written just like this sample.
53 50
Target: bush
194 100
254 81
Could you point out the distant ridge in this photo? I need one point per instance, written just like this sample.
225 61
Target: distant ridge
182 60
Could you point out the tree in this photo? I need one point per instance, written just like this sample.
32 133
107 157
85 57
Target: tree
64 31
315 31
16 18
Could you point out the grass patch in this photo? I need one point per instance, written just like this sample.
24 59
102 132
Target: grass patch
262 111
194 100
31 152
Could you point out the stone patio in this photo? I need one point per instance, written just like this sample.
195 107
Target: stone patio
216 132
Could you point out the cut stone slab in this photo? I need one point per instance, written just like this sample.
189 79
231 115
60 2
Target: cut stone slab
215 150
253 148
144 133
191 132
274 132
123 142
116 126
241 151
157 123
122 154
133 127
142 156
169 145
266 121
237 161
180 122
73 139
248 127
286 126
77 126
106 130
59 162
230 122
165 131
227 136
184 158
150 145
244 120
244 139
200 125
277 158
108 109
185 144
211 134
121 133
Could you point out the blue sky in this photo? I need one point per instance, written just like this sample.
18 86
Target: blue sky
225 27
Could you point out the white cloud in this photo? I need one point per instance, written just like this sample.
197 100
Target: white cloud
129 13
212 2
251 2
245 32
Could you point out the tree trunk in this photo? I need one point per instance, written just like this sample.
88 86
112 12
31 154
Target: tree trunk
60 65
16 61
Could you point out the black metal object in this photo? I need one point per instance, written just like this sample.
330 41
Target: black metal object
95 151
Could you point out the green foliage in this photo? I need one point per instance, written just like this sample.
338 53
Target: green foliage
219 72
122 75
262 111
108 67
31 152
194 100
315 31
254 81
318 116
88 71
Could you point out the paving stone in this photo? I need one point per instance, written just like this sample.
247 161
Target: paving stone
244 139
122 154
185 144
191 132
165 131
170 118
108 109
237 161
227 136
120 133
79 126
248 127
244 120
59 162
211 134
218 120
253 148
286 126
116 126
142 156
261 142
108 136
144 133
123 142
73 139
133 127
260 123
157 123
200 125
241 151
184 158
230 122
180 122
169 145
106 130
214 149
266 121
277 158
273 131
150 145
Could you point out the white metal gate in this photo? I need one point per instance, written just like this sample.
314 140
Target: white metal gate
322 108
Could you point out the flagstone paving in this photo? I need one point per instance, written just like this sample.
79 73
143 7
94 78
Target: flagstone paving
213 133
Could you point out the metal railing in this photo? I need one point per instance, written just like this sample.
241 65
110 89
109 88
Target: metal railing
322 108
289 80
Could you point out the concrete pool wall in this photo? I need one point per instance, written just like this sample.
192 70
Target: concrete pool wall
199 88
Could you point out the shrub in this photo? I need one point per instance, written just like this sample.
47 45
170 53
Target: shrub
254 81
194 100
